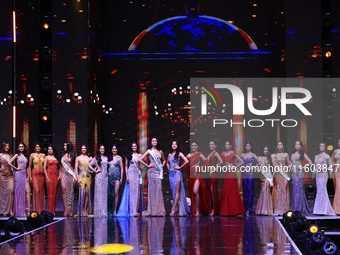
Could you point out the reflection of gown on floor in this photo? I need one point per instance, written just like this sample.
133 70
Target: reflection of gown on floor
86 180
178 245
155 205
20 188
322 204
265 226
264 204
192 177
230 199
212 188
299 196
100 231
174 174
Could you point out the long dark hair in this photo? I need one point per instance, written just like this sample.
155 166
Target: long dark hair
251 147
25 149
283 149
34 145
158 147
269 157
87 149
318 150
3 148
55 154
130 151
301 151
110 157
99 156
177 150
70 151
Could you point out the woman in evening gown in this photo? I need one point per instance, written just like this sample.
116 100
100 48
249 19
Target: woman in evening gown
115 173
299 197
155 176
68 178
20 177
6 182
280 194
212 181
336 175
84 180
52 174
195 182
230 199
322 162
101 183
265 204
134 180
249 158
38 178
180 206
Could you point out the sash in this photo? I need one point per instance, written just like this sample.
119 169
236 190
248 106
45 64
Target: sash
139 171
266 172
68 169
157 162
8 159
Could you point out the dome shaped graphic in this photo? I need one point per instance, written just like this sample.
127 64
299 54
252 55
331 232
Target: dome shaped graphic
192 33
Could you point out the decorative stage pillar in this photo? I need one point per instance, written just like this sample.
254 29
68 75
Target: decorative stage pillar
238 134
143 124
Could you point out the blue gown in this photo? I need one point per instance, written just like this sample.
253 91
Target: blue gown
248 186
174 174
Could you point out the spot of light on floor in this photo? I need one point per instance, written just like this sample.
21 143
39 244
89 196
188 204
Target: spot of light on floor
112 248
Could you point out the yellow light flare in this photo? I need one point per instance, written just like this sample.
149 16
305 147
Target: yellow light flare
313 229
330 147
112 248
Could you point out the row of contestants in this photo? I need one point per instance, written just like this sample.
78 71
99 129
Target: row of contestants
109 173
277 203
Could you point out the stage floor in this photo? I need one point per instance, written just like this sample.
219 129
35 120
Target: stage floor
157 235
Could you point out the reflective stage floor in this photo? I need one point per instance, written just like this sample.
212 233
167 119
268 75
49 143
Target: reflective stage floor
157 235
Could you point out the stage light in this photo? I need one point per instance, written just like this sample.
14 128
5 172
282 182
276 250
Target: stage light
79 98
44 117
68 100
330 147
22 101
14 225
328 54
103 106
329 248
110 109
107 112
32 99
317 240
76 94
10 92
35 220
188 87
46 25
48 217
58 91
312 229
29 95
300 224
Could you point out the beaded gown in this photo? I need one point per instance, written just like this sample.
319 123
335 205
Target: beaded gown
264 204
155 205
52 187
299 196
230 199
69 182
174 174
20 187
135 187
248 186
322 205
38 180
6 187
100 187
336 171
86 181
212 187
280 193
114 176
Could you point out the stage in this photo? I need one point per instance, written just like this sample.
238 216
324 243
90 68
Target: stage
157 235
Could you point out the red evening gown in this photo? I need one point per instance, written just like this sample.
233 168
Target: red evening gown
52 187
230 199
192 177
